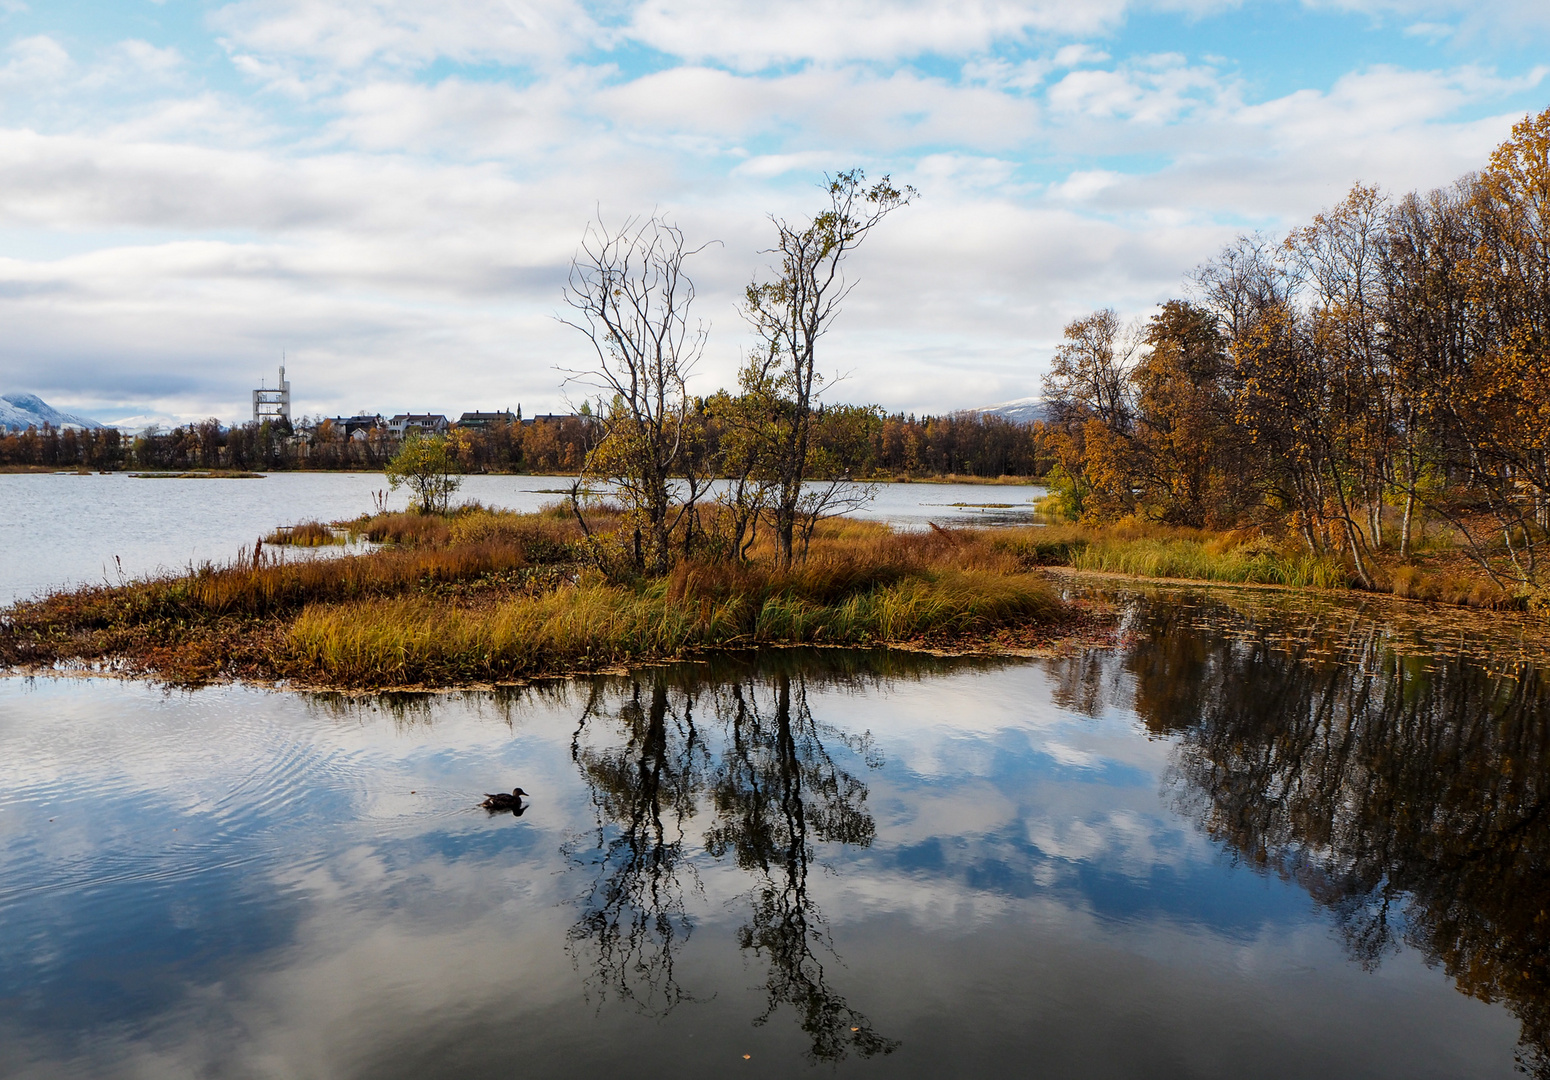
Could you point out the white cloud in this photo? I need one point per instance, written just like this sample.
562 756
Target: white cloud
1431 31
753 34
34 60
1497 17
347 35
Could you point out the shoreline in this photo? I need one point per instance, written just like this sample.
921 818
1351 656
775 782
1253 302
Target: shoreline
1093 629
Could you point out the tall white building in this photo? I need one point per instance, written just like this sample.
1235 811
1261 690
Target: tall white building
273 404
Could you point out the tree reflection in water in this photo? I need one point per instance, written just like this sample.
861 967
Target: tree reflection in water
1407 793
644 787
770 789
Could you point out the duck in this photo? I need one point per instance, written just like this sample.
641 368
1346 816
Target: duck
501 801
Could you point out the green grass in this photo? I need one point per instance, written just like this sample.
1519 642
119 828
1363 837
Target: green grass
1193 560
1159 552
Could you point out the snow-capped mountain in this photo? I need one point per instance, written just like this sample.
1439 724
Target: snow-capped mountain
144 422
1023 410
18 412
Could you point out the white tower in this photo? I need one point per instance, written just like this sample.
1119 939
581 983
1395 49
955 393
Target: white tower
273 404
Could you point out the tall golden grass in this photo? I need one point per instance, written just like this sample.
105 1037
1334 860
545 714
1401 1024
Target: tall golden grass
594 624
268 588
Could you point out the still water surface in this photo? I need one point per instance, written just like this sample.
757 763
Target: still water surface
1247 841
66 529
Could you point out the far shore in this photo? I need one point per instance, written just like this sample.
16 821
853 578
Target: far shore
943 478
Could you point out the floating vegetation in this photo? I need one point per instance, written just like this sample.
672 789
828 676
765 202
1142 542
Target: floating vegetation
201 474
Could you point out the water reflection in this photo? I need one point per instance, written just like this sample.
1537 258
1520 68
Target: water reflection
763 790
1405 790
1015 877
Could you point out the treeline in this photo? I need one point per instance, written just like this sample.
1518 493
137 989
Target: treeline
856 440
1387 364
99 448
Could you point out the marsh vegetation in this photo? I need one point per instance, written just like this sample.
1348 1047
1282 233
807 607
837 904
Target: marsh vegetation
487 596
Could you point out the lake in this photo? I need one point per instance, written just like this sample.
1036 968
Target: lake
1259 835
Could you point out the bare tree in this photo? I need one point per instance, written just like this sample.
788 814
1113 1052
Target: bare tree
1089 374
789 314
1242 283
632 297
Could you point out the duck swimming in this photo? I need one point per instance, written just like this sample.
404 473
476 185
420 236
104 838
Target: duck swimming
501 801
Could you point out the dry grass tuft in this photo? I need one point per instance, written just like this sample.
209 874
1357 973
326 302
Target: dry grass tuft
304 534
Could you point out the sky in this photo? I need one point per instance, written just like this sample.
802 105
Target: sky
388 193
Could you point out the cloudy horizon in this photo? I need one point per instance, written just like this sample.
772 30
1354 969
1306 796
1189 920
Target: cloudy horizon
388 192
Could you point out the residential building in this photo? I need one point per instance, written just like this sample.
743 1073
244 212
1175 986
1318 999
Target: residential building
482 420
351 426
427 423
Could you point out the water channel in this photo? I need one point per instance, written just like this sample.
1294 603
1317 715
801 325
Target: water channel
1257 836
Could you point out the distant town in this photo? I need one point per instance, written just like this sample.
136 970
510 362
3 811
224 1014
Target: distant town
1002 440
273 405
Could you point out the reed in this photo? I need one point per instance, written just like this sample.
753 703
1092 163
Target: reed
1193 560
242 589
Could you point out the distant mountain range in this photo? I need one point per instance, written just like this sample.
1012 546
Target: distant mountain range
1023 410
18 412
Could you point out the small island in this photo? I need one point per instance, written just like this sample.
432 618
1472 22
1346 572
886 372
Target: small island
481 596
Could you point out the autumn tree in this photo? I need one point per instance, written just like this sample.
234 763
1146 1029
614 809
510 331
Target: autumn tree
1190 460
1337 262
426 465
1501 411
1426 333
789 314
1092 415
